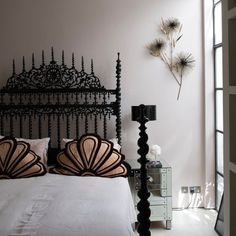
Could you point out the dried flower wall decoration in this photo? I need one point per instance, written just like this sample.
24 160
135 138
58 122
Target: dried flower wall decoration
179 63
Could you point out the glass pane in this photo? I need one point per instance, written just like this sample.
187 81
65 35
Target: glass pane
218 23
219 190
218 67
219 110
219 153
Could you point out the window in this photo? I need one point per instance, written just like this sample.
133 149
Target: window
218 88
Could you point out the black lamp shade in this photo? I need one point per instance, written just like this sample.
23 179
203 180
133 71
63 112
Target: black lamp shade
148 111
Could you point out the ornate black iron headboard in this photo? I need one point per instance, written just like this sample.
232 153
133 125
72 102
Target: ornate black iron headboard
56 101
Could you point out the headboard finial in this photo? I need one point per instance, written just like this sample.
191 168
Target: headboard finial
82 63
13 67
62 58
23 64
52 54
73 60
43 62
33 66
118 67
92 66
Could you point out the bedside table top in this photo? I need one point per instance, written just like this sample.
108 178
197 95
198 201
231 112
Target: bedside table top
135 164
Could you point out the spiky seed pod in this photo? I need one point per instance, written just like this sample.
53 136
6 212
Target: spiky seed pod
156 47
183 62
170 25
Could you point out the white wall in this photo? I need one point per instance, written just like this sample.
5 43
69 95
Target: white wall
100 29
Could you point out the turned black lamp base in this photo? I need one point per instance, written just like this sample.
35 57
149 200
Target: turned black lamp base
143 114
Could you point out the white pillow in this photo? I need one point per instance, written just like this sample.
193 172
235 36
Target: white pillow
39 146
64 141
116 145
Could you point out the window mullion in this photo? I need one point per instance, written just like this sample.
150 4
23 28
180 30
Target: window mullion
217 131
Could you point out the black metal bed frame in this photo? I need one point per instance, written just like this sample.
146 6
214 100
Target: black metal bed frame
54 101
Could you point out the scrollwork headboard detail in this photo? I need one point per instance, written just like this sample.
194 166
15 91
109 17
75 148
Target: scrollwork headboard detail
57 101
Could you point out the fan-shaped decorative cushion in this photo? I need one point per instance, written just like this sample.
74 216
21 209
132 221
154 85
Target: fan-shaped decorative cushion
18 161
91 156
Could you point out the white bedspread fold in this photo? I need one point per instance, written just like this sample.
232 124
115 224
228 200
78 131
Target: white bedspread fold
56 205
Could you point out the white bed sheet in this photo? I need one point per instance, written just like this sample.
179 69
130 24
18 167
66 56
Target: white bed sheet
57 205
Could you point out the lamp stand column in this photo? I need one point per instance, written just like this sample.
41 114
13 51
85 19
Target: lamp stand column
143 206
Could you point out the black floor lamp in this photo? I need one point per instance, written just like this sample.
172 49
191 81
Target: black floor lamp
143 114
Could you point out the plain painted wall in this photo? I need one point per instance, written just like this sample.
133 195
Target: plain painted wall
100 29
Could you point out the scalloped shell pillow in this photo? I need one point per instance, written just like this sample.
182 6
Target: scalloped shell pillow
91 156
18 161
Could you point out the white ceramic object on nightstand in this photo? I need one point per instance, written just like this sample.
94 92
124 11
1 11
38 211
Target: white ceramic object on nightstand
155 151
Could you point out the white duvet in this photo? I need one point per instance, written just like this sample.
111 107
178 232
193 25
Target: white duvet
57 205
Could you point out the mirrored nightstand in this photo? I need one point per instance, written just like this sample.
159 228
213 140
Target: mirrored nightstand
160 188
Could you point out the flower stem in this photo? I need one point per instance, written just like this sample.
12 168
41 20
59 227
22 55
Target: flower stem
171 52
164 59
180 85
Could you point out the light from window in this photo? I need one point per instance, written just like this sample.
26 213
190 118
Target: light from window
219 110
219 153
220 189
218 67
218 23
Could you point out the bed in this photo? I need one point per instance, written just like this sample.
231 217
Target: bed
56 205
52 192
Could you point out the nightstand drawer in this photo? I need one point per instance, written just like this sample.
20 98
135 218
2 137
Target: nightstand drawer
156 170
157 200
153 199
158 212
